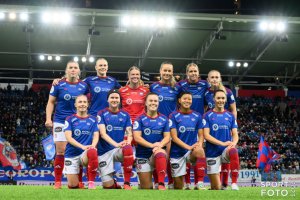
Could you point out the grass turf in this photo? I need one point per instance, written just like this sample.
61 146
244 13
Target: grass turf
46 192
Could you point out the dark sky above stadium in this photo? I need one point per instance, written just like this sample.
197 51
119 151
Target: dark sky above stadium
247 7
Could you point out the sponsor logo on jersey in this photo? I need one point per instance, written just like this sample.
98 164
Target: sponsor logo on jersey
215 127
160 98
102 164
97 89
58 129
77 132
109 128
211 162
141 93
182 129
129 101
67 97
147 131
68 162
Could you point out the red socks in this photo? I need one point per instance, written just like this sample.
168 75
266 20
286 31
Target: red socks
92 163
234 164
160 166
188 173
169 172
80 174
224 173
58 167
128 162
199 169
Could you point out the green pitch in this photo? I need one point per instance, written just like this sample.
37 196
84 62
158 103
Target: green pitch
46 192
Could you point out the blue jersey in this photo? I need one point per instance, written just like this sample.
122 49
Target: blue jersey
197 89
116 124
209 99
220 125
83 130
187 126
167 96
152 129
66 93
99 88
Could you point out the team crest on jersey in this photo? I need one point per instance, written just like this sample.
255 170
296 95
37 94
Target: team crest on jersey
52 89
108 81
67 97
120 119
193 119
97 89
160 98
215 127
109 128
147 131
226 118
135 125
77 132
141 93
182 129
88 123
159 123
129 101
79 89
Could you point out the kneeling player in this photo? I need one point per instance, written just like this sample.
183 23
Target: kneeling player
186 127
82 135
152 133
220 132
113 123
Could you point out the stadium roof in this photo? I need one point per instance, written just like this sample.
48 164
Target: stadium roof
210 40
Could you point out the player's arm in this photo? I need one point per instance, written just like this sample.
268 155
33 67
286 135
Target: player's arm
233 109
200 138
56 81
106 137
211 139
129 134
73 142
166 139
49 110
235 136
178 141
140 140
95 139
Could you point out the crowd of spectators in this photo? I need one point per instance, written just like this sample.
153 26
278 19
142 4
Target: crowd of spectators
278 120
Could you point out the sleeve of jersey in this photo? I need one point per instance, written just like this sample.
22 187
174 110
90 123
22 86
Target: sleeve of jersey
200 123
178 88
128 121
205 121
230 97
117 85
172 121
68 126
95 128
100 119
167 126
234 123
54 91
137 125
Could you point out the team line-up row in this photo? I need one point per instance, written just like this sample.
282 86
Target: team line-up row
77 138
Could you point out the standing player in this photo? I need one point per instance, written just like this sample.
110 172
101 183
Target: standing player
64 95
133 95
220 132
99 86
215 80
113 123
82 135
186 127
167 95
152 133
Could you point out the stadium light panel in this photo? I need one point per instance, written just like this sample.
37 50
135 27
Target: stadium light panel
42 57
57 58
24 17
245 64
46 18
2 15
170 22
91 59
263 26
280 26
76 59
49 58
230 63
271 26
125 21
12 16
238 64
83 59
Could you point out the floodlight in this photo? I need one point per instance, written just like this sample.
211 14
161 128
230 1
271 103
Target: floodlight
49 57
83 59
24 16
76 59
238 64
91 59
2 15
57 58
12 16
230 63
245 64
42 57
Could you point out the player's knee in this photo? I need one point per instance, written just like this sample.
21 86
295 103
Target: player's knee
127 150
233 152
160 154
92 153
